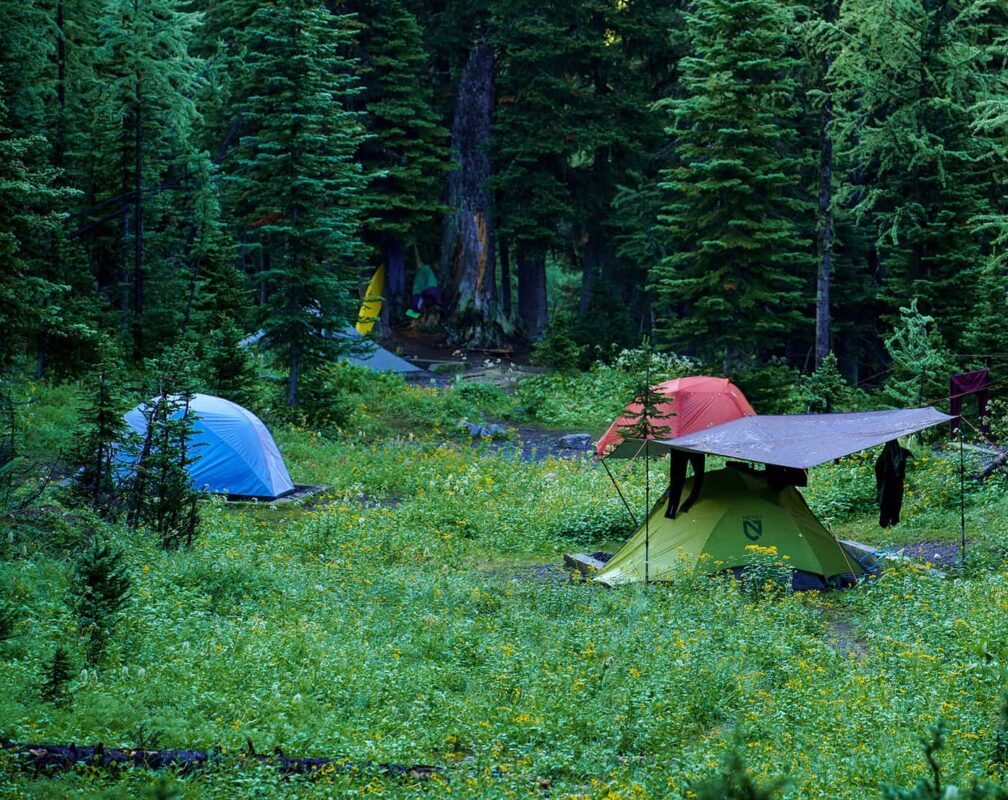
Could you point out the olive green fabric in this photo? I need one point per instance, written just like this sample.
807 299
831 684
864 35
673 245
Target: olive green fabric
736 509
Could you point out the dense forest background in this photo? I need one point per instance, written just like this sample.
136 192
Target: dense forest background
746 182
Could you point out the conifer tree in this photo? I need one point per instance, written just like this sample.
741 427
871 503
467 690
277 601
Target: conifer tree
29 227
905 82
58 673
920 360
160 491
406 151
296 183
733 277
143 116
101 587
103 433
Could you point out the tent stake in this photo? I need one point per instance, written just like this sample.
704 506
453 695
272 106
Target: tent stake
962 500
619 491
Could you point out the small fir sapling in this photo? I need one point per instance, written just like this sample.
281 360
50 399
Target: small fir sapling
100 590
58 672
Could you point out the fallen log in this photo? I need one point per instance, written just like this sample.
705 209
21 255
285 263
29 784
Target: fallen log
992 465
56 758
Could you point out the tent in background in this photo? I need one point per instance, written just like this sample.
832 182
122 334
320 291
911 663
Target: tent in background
374 356
737 507
694 403
234 451
368 353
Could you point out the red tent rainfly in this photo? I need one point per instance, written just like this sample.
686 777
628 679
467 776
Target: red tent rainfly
694 404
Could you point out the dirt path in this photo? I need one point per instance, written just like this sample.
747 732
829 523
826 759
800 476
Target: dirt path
845 637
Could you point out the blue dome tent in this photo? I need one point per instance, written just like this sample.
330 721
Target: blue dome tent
235 452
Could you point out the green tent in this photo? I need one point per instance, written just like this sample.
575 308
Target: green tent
736 508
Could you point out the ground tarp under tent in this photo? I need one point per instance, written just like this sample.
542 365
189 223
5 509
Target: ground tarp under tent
234 451
692 404
736 508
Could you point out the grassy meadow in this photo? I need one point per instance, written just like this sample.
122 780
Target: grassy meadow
413 613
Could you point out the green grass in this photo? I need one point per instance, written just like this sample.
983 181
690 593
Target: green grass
415 632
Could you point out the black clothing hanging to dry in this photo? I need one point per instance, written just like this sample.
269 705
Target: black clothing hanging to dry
677 480
890 470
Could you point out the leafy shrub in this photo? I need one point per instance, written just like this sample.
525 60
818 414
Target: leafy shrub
767 576
329 394
557 349
735 782
592 399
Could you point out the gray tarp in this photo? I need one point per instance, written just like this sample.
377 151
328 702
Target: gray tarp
805 440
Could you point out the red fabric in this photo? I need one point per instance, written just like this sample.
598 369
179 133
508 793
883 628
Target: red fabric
694 404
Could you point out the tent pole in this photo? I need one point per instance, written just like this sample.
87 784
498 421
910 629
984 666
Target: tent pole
647 515
962 499
645 396
619 491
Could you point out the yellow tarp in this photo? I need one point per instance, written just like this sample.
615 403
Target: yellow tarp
370 309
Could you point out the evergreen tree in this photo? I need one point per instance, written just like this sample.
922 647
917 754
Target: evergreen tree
160 491
101 588
825 390
58 673
732 280
571 113
905 80
920 361
297 185
143 116
31 222
103 433
406 152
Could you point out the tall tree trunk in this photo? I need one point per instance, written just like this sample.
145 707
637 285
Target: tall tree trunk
822 340
59 146
124 279
293 374
468 243
138 244
532 306
824 276
505 264
593 259
395 279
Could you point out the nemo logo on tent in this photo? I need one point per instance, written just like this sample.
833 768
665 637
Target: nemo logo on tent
752 527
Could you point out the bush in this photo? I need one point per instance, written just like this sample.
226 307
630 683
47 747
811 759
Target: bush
557 349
